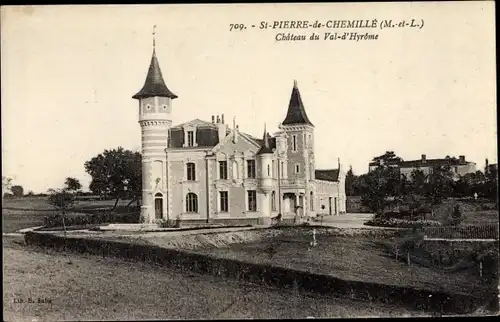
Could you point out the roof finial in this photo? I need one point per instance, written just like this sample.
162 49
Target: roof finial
266 137
295 83
154 32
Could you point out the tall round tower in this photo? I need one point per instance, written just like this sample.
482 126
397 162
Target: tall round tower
155 107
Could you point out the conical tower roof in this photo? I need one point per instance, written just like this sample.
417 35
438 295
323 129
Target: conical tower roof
296 113
154 84
265 148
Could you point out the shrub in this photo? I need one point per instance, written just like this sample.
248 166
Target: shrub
170 223
80 219
402 223
456 215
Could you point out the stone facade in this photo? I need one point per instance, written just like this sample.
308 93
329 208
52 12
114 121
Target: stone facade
203 171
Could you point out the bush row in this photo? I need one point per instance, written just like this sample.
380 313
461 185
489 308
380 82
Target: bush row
402 223
78 219
259 273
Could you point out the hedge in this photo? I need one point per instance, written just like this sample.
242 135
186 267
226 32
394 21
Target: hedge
79 219
402 223
267 274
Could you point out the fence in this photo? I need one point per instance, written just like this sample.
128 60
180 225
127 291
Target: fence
466 232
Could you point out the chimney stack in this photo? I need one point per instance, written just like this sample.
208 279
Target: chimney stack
213 118
462 158
424 158
218 119
222 119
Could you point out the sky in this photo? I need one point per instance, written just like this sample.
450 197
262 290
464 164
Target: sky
69 72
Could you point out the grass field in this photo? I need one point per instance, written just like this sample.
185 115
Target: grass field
359 259
81 287
19 213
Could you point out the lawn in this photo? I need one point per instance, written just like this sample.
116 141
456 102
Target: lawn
348 258
84 287
19 213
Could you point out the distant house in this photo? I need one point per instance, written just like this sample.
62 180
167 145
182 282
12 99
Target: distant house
490 168
459 166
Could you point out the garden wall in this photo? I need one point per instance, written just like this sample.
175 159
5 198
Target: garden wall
266 274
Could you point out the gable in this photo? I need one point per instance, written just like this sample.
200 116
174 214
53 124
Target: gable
243 144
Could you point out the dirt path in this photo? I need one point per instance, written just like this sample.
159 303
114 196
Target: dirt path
70 287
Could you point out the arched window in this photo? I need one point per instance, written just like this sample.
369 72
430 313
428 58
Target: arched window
191 203
311 200
158 206
273 201
191 172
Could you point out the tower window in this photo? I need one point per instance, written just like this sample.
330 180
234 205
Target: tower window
190 138
251 168
273 201
191 203
294 143
297 169
252 200
224 201
268 170
191 172
223 170
311 200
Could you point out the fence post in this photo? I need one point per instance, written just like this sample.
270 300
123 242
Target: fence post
481 268
409 264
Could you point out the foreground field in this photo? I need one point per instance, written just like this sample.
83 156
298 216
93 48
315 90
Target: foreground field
94 288
358 259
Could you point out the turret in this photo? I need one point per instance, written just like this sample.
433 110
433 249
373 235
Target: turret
155 105
265 156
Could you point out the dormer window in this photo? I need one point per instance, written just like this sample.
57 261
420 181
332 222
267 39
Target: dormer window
190 138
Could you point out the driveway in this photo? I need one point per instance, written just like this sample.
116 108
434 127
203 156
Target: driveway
347 220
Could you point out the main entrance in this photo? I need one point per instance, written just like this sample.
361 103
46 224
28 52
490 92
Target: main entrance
158 206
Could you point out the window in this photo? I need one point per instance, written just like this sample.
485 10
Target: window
190 138
251 168
252 200
297 169
268 170
191 172
311 200
273 201
224 201
273 169
282 167
191 203
294 143
223 170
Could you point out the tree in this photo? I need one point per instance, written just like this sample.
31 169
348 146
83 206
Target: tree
6 185
439 186
116 173
62 200
17 191
350 182
72 184
388 157
379 188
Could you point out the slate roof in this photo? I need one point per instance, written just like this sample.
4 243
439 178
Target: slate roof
327 175
154 84
296 113
265 147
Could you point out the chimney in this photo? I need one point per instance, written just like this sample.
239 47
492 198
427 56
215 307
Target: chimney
424 158
461 158
221 128
235 128
213 119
